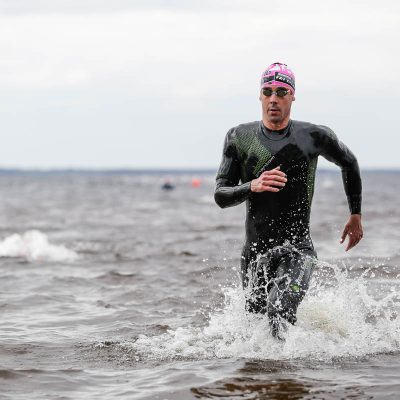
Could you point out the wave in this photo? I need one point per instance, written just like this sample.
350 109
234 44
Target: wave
338 318
33 246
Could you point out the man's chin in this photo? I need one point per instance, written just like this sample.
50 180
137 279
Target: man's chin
275 120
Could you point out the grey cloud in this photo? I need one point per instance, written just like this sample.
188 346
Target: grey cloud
23 7
293 8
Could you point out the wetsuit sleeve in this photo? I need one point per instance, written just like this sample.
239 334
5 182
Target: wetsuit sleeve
228 191
335 151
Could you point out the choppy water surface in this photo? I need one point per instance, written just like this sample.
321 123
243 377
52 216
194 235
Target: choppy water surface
112 288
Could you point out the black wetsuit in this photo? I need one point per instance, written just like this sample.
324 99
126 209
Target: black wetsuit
278 255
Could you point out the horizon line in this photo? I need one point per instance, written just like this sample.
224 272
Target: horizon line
22 170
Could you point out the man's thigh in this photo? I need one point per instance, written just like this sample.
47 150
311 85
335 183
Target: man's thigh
295 270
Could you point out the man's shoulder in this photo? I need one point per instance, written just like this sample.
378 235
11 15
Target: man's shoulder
312 129
247 128
309 126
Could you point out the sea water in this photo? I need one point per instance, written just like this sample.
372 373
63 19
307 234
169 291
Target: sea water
114 288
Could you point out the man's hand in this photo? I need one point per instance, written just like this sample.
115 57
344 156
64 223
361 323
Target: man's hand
354 230
269 181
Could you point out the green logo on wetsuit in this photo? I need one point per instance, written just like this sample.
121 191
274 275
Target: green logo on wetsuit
295 288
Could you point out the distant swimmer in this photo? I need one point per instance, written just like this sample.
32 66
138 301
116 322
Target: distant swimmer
167 185
271 165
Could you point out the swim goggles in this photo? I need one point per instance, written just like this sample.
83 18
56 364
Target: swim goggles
280 92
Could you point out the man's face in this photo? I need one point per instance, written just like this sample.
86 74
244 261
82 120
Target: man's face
276 109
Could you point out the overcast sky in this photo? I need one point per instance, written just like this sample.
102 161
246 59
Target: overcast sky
142 83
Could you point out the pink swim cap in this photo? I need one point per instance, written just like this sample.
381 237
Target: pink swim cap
278 74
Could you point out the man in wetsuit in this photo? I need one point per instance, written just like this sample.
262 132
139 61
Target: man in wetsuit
271 165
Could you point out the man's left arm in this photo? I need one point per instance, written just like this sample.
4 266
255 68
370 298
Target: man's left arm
335 151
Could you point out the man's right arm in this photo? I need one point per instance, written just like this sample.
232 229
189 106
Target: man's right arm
228 192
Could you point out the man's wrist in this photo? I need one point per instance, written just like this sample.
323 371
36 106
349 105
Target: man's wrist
355 203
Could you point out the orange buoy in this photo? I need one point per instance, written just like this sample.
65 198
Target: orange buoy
196 182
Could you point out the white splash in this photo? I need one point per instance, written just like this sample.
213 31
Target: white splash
336 320
34 246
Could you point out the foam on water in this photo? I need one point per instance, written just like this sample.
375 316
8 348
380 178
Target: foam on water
34 246
338 318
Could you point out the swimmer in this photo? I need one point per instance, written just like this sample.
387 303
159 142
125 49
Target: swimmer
271 165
